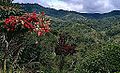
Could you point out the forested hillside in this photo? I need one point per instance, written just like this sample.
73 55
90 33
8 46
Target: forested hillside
60 13
106 24
76 43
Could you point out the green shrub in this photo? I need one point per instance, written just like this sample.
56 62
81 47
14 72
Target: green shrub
105 60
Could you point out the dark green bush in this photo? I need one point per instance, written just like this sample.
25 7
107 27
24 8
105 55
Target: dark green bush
105 60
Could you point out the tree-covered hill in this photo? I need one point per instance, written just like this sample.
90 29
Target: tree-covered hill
94 39
60 13
96 35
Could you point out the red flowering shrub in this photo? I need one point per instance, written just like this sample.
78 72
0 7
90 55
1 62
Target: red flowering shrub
64 49
30 21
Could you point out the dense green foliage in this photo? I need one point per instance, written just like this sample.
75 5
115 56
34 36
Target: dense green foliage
97 40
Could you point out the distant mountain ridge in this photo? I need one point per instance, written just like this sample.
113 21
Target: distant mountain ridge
60 13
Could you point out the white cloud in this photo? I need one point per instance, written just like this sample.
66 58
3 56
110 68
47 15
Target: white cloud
65 6
91 6
115 3
59 5
100 6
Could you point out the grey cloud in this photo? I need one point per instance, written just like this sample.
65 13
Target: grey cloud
90 6
95 5
115 3
73 1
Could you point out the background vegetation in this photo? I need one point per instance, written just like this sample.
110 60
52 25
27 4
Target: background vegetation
96 36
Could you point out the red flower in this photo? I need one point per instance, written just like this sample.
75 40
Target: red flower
47 30
5 26
12 17
26 26
31 21
7 21
34 16
42 28
42 25
36 23
42 20
40 33
12 29
13 24
42 13
30 25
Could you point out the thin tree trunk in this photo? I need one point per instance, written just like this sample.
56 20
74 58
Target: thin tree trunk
11 69
5 53
5 69
61 63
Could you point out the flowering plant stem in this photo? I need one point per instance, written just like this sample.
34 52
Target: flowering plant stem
61 63
5 53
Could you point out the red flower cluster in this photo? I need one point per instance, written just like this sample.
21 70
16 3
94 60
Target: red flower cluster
64 49
32 21
68 49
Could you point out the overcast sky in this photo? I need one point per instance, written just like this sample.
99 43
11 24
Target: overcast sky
90 6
